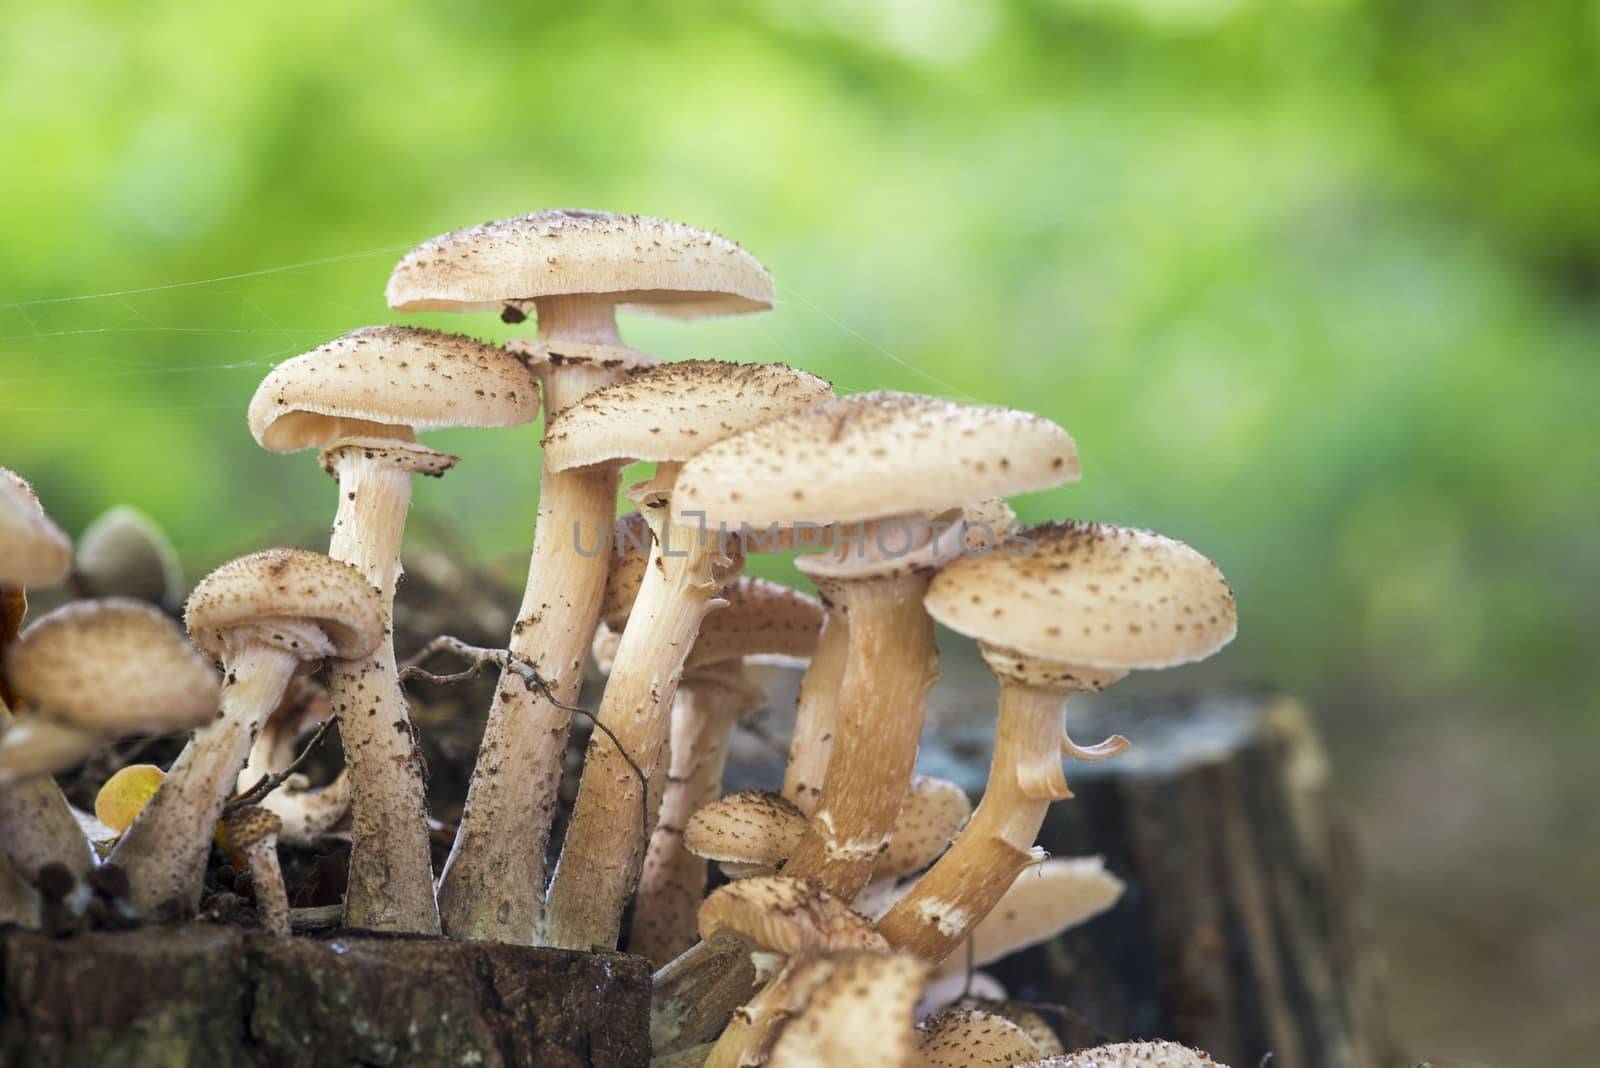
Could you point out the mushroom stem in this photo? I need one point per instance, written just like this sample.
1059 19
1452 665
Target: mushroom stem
19 901
391 869
37 825
707 706
890 665
491 886
812 741
164 853
997 843
601 857
272 897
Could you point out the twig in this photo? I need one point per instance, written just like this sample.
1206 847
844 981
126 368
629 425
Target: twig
269 783
479 658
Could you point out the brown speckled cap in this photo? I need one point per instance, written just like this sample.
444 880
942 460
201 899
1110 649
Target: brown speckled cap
1132 1055
650 266
968 1037
33 550
630 555
273 591
751 827
859 1013
873 455
1090 594
117 666
762 620
786 916
933 812
251 825
676 410
393 376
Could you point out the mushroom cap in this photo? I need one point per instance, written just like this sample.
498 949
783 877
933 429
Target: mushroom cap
676 410
968 1037
250 825
37 552
933 812
630 556
286 585
395 376
1101 596
117 666
761 619
873 455
758 827
1132 1055
40 744
649 266
125 553
786 916
859 1014
1044 900
1045 1040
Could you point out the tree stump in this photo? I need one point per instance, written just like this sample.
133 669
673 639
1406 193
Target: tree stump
1241 930
224 996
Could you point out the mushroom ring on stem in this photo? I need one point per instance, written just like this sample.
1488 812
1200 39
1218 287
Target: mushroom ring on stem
263 617
667 414
1086 605
360 399
575 270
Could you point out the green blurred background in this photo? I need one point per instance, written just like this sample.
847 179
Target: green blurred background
1312 282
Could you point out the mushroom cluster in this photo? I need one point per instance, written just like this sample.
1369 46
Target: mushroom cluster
769 911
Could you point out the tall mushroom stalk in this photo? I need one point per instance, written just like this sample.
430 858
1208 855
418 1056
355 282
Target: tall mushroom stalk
263 617
575 270
1086 605
811 743
667 414
361 398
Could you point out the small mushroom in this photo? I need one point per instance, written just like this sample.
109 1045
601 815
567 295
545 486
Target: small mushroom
33 552
124 553
894 466
309 815
859 1015
263 617
1130 1055
361 398
971 1038
1084 606
576 270
253 831
666 414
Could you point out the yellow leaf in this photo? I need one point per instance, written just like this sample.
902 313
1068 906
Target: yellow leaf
124 795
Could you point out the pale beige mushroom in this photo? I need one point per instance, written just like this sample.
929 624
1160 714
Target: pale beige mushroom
666 414
263 617
971 1037
253 831
859 1014
576 270
360 399
1131 1055
1084 606
894 466
124 553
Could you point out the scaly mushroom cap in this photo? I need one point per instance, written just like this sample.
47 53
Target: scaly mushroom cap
786 916
116 666
249 825
933 812
987 524
1090 594
1044 900
650 266
1035 1026
273 594
394 376
675 411
33 550
630 555
124 553
756 827
859 1014
761 619
1132 1055
870 456
972 1038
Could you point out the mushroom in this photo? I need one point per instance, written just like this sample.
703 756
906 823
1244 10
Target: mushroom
124 553
19 900
1085 605
885 462
667 414
576 270
792 920
253 831
33 552
811 742
308 815
859 1015
360 399
1130 1055
971 1037
88 672
263 617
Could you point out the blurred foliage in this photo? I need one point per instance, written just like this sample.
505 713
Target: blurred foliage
1310 281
